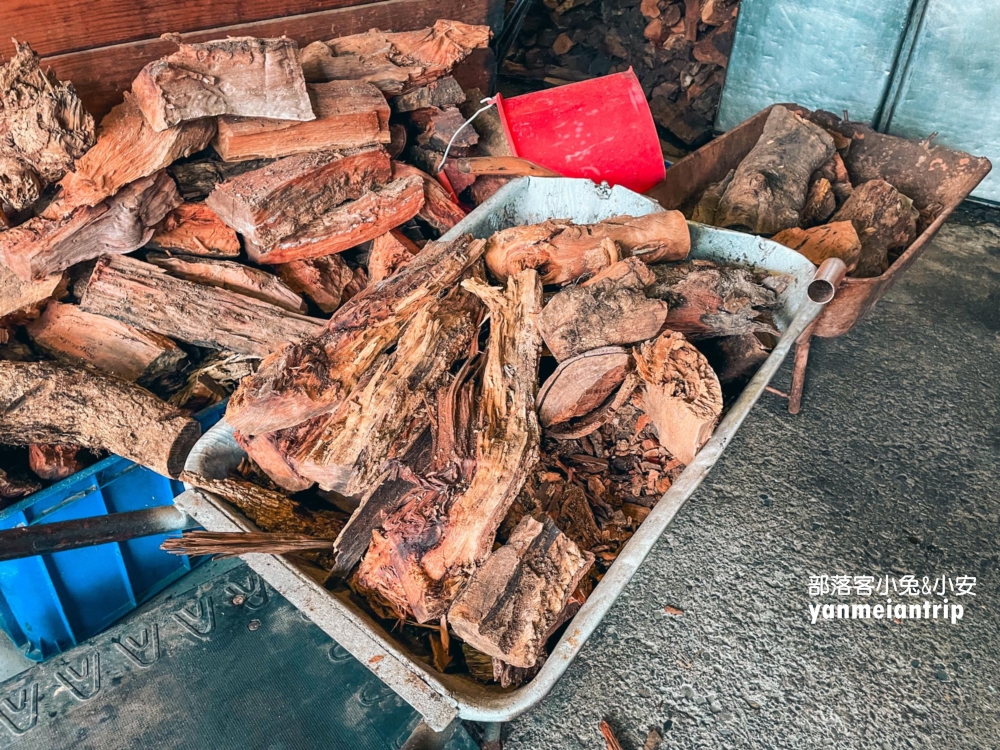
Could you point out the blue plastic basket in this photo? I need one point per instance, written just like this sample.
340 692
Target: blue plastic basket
50 603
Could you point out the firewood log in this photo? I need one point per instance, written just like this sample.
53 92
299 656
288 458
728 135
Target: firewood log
835 240
769 188
610 308
274 202
41 246
312 378
436 127
127 150
511 601
820 203
444 92
884 219
240 76
437 540
267 452
394 62
197 179
680 394
563 251
714 47
581 384
349 114
835 171
71 335
45 128
692 14
492 138
348 225
708 204
389 251
717 12
54 462
322 280
734 359
706 300
145 296
42 402
397 140
438 209
14 488
195 229
17 294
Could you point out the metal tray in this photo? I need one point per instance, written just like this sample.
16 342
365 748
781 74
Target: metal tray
442 698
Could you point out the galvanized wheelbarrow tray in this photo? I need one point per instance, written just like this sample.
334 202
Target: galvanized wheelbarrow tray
442 698
936 178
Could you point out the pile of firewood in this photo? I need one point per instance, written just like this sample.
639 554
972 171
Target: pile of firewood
795 186
679 49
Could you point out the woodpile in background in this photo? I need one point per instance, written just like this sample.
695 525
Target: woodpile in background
679 50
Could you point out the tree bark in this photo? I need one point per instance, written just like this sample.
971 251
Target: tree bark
323 280
436 127
444 92
835 240
884 219
17 294
197 179
388 252
438 209
145 296
240 76
46 403
195 229
582 384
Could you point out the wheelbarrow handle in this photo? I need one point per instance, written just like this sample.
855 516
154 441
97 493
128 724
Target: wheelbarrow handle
46 538
507 166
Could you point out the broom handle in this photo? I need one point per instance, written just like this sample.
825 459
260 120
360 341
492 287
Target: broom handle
507 166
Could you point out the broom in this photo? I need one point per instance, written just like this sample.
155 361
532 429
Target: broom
235 543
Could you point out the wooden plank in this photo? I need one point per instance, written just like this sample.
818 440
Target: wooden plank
101 75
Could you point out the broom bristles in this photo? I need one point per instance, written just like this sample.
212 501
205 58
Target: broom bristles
235 543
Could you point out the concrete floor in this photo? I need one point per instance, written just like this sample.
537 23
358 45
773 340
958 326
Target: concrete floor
891 469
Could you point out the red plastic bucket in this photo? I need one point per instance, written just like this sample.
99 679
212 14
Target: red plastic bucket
600 129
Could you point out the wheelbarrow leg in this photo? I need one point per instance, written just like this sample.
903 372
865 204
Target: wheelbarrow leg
491 736
425 738
802 345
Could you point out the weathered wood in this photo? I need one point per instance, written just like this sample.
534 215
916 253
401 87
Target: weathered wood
267 452
734 359
283 198
54 462
394 62
717 12
444 92
195 229
838 239
43 246
680 394
72 335
241 76
820 203
127 149
708 204
14 488
511 601
769 188
714 47
18 294
349 114
147 297
706 300
884 219
312 378
563 251
610 308
197 179
438 209
348 225
388 252
322 280
42 402
692 14
236 277
582 384
436 127
43 128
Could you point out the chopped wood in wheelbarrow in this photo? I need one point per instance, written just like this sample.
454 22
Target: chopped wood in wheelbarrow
463 433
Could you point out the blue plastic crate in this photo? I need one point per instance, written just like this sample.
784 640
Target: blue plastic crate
50 603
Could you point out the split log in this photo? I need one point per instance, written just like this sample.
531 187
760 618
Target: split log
706 300
127 150
197 179
236 277
884 219
348 225
610 308
835 171
213 380
54 462
312 378
195 229
680 394
582 384
241 76
42 246
323 280
563 252
769 188
77 337
734 359
45 403
444 92
17 294
820 203
349 114
274 202
708 204
147 297
267 452
835 240
394 62
358 282
438 209
436 127
437 540
14 488
717 12
397 140
510 603
389 251
43 128
485 187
